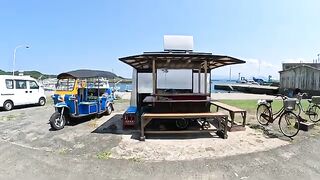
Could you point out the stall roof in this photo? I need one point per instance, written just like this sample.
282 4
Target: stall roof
178 60
86 73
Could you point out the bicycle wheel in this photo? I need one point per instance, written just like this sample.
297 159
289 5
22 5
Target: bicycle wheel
263 114
297 110
289 124
314 113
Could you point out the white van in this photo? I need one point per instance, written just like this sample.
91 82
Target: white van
20 90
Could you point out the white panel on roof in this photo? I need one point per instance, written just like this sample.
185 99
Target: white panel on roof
178 42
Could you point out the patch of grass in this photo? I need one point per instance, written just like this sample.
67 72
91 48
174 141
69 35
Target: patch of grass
251 105
104 155
63 151
8 117
93 123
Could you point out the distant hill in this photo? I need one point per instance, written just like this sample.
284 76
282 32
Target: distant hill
37 75
34 74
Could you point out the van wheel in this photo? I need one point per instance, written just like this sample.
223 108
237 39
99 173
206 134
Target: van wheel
57 121
7 105
42 101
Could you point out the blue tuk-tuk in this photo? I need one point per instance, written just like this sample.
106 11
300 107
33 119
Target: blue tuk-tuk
81 93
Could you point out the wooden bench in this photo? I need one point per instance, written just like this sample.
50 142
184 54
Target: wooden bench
221 129
232 111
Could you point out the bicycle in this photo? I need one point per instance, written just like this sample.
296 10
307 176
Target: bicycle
289 122
313 109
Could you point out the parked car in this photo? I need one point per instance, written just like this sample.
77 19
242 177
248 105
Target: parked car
20 90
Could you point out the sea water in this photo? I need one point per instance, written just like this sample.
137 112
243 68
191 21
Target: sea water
122 87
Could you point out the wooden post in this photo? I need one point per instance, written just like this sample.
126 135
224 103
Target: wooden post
154 76
199 80
142 136
205 77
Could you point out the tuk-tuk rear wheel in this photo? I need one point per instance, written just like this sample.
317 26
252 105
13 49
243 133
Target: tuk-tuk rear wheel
57 121
182 123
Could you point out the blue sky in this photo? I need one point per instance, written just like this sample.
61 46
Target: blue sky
67 35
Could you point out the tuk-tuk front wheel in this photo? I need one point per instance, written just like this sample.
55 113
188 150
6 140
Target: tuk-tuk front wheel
109 109
57 121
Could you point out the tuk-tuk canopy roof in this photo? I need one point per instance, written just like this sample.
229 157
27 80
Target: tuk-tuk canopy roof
86 73
178 60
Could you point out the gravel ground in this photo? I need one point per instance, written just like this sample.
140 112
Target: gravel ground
158 149
97 148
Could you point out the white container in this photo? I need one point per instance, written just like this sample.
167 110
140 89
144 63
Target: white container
178 43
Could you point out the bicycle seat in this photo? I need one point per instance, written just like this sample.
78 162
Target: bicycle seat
309 100
269 100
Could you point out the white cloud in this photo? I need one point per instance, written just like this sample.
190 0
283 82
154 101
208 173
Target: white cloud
262 63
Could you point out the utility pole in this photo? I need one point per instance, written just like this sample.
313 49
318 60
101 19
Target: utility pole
259 68
230 74
14 56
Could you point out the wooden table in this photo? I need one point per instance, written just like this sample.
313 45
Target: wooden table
232 111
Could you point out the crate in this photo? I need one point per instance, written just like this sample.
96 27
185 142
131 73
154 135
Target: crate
290 104
315 99
130 117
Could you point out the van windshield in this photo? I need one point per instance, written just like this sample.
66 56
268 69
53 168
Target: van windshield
65 84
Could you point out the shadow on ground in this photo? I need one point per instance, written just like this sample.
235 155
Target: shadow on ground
29 106
269 132
77 121
115 126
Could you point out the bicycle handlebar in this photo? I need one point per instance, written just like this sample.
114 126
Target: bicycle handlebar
300 95
303 94
282 96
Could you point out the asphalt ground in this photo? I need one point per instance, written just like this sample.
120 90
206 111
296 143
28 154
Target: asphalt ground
30 150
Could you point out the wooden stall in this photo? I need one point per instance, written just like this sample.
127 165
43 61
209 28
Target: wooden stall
173 87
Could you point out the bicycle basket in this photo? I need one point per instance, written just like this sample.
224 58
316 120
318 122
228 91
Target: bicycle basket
315 99
290 104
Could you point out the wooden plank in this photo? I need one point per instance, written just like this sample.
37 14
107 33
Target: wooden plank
154 99
181 131
182 115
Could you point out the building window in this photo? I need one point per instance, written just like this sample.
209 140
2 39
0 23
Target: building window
9 84
33 85
21 84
